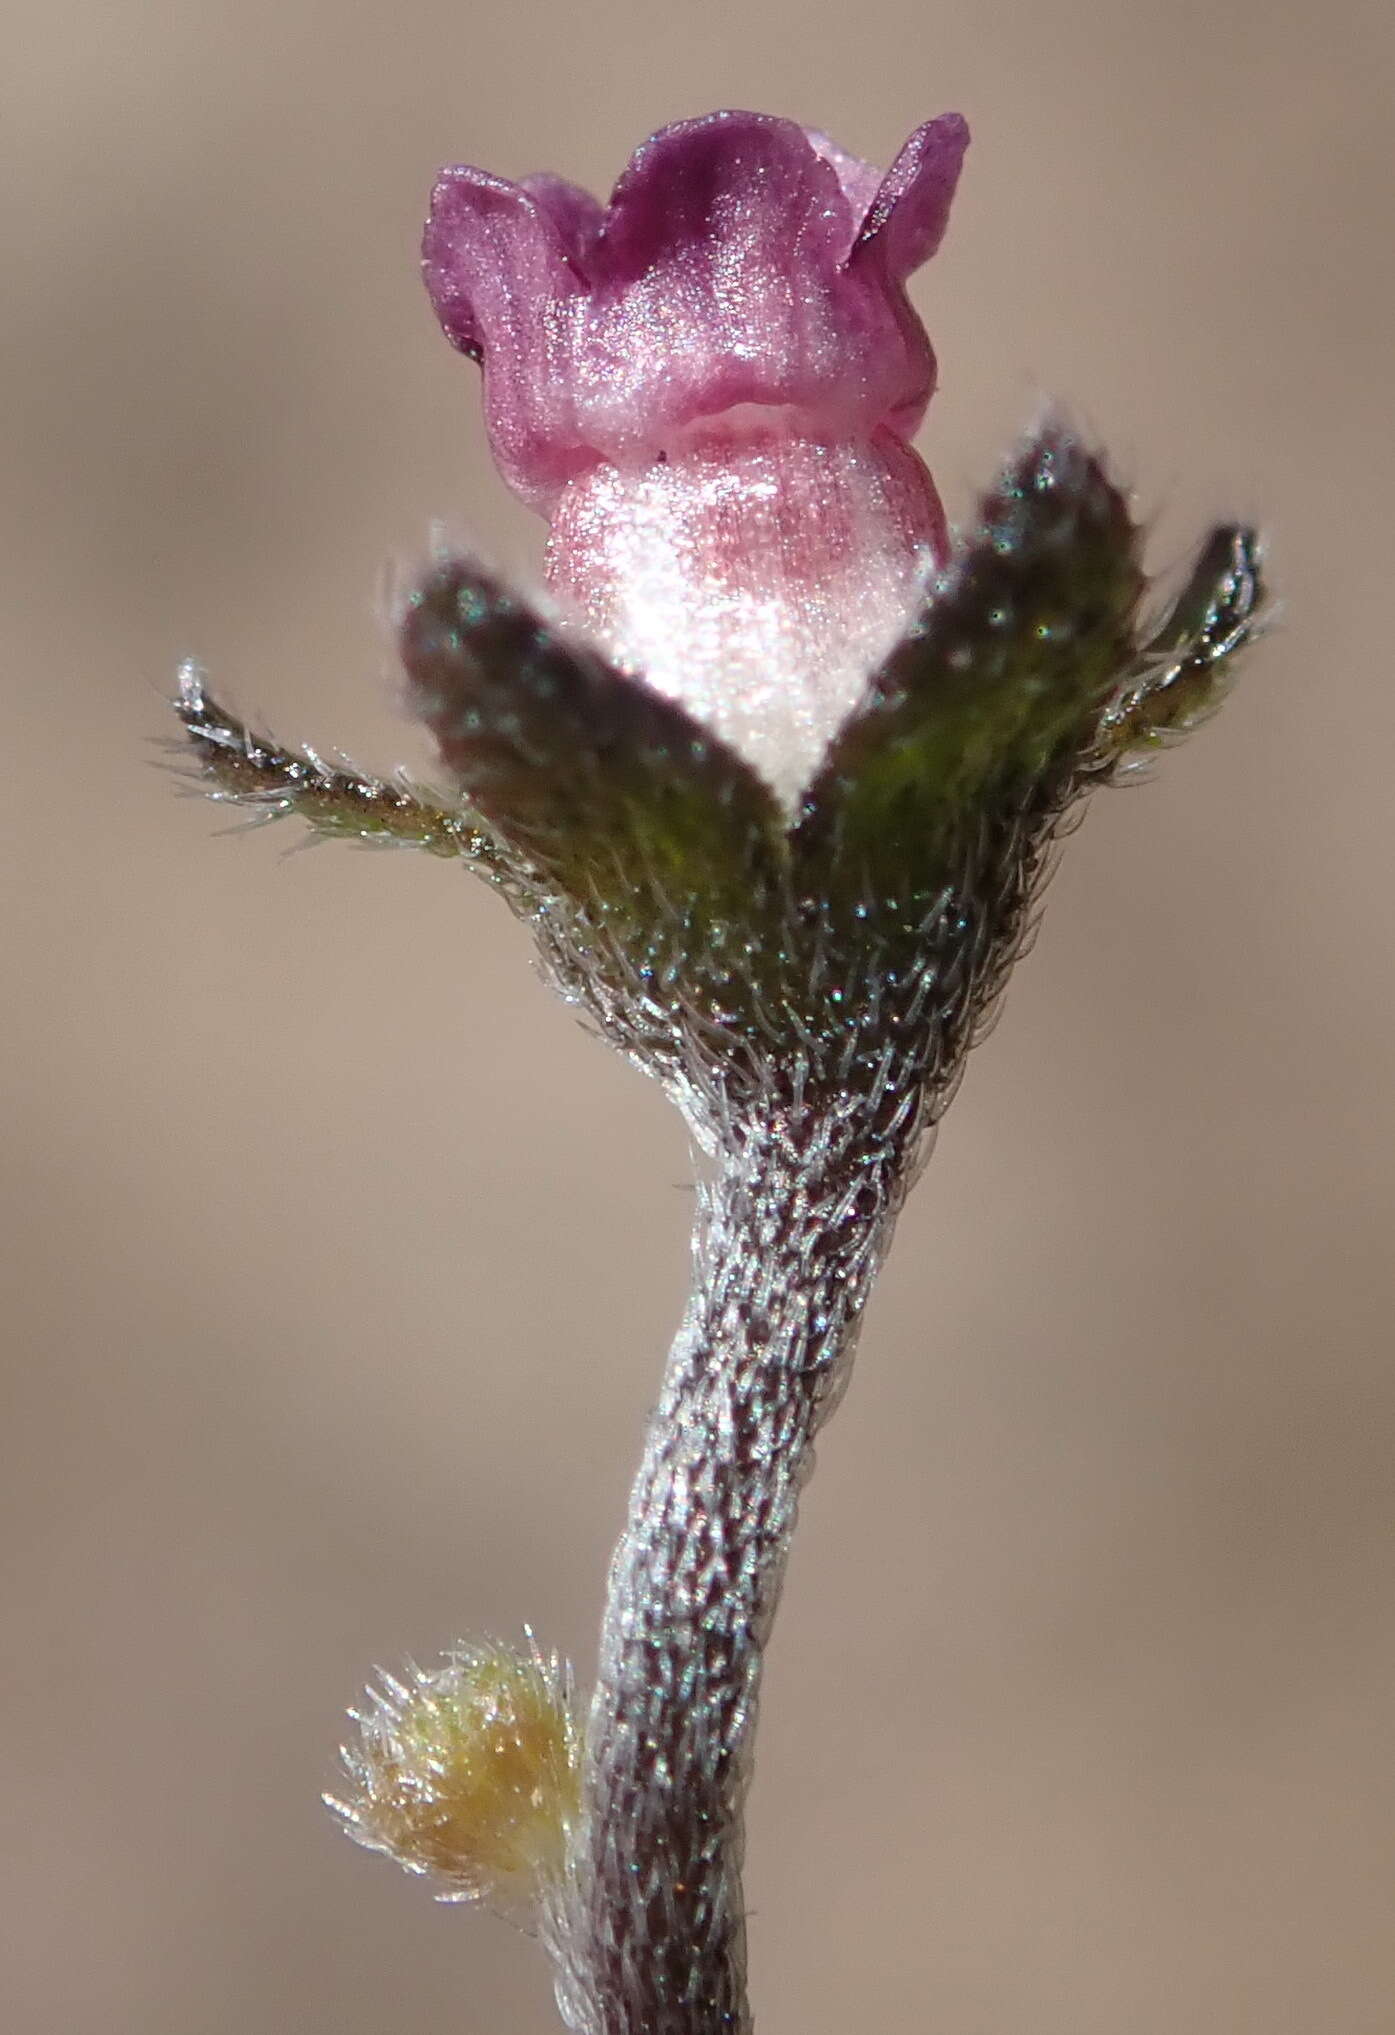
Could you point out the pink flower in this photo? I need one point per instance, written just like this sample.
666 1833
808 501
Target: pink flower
708 386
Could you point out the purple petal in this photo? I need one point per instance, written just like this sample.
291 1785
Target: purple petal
745 186
577 216
490 252
860 181
719 282
499 274
907 220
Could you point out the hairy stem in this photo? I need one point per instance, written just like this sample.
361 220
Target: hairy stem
788 1239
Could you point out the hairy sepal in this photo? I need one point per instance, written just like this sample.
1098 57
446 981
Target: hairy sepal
1189 661
999 688
237 765
610 790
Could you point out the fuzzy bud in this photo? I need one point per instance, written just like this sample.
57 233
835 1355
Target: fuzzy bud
466 1773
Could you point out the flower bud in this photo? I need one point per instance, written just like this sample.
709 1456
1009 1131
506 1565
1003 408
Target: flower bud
467 1774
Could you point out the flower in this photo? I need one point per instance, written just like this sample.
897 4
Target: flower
778 814
779 797
709 386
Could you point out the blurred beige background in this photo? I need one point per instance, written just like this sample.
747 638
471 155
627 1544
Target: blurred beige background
340 1264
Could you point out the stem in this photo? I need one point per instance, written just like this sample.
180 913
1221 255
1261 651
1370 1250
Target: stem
787 1242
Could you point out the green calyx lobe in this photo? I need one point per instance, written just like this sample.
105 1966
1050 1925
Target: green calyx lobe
613 794
1184 669
682 884
998 685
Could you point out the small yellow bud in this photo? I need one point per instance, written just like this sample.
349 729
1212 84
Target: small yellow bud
468 1773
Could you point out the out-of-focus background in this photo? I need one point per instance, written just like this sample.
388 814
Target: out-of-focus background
340 1264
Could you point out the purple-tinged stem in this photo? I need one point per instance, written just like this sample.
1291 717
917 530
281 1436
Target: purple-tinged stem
788 1239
